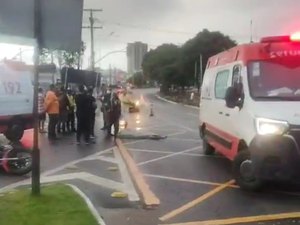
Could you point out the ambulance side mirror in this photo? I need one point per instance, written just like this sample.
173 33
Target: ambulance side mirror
232 97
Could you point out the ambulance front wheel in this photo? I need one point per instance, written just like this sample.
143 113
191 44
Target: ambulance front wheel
207 148
244 172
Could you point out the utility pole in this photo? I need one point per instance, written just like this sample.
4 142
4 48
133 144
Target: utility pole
35 180
110 74
201 73
251 31
92 27
195 75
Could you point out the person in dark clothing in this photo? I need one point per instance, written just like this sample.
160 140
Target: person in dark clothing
83 116
92 108
64 106
112 106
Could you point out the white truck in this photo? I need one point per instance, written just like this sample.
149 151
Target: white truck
16 100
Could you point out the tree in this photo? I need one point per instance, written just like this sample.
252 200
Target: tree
173 65
207 44
63 58
160 64
137 79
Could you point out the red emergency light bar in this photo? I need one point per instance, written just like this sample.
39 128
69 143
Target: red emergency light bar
293 38
275 39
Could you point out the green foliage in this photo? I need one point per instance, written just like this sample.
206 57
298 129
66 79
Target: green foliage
63 58
137 79
57 205
173 65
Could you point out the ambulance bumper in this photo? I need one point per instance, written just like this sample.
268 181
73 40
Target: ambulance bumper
276 157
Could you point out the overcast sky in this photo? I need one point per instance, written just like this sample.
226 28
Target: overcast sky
175 21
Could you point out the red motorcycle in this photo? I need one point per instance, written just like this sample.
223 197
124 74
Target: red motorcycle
16 157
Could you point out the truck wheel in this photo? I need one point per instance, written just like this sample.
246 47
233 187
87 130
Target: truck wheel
15 131
244 173
207 148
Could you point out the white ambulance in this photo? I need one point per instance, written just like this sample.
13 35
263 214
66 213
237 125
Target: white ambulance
250 110
16 99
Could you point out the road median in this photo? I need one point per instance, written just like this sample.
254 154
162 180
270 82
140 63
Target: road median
149 199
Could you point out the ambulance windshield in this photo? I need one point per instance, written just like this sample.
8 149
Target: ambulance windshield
274 80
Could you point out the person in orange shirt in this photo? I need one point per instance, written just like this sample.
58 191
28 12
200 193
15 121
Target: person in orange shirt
52 108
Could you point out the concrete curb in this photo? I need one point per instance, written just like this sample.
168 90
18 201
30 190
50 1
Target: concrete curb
166 100
89 204
175 103
149 199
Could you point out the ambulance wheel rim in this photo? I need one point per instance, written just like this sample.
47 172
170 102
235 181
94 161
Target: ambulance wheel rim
247 171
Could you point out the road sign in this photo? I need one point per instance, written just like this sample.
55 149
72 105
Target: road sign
61 23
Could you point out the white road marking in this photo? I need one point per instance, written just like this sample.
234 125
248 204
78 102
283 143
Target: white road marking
100 181
167 156
89 204
170 152
90 157
103 158
130 189
186 139
186 180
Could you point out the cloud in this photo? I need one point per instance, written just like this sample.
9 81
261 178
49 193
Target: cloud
154 21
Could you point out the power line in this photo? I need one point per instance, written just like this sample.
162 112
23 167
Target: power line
145 27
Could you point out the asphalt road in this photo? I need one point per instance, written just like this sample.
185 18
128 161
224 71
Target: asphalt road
195 189
58 153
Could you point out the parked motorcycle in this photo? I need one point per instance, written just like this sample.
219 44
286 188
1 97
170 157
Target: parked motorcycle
15 159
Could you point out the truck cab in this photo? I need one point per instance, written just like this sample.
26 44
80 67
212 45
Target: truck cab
16 99
250 109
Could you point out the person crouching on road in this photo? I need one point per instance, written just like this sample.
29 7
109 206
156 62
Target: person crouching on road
41 110
83 116
52 109
92 108
71 115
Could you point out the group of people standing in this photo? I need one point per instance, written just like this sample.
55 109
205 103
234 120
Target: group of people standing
63 107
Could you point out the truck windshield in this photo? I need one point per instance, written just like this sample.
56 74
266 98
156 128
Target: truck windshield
275 80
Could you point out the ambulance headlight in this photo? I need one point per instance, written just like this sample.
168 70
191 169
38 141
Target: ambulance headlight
137 103
271 127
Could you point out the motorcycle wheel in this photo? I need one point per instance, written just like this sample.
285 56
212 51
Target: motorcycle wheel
22 165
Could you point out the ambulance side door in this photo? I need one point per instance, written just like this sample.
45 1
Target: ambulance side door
232 114
221 84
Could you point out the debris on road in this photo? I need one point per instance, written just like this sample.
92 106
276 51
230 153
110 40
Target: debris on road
138 137
119 194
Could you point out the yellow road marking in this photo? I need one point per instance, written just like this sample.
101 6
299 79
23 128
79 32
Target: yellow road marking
188 180
196 201
250 219
149 198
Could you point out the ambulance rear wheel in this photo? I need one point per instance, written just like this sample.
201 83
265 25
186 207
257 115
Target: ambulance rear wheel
243 172
207 148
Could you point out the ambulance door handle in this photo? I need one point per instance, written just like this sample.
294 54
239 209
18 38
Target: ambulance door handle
227 114
221 113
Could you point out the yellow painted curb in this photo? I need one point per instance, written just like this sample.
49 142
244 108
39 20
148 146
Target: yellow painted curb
148 197
241 220
195 202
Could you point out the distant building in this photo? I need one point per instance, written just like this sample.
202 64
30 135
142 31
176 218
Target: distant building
135 55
